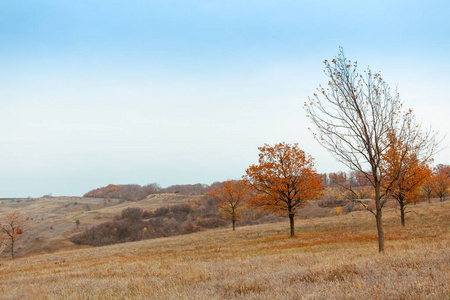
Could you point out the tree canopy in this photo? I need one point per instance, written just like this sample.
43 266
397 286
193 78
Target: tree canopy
285 179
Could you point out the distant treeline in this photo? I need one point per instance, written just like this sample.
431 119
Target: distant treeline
135 192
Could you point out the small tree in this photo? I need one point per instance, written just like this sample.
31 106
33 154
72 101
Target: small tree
77 222
10 229
285 179
232 198
428 187
404 175
441 183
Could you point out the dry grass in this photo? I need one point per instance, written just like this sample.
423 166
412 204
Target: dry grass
331 258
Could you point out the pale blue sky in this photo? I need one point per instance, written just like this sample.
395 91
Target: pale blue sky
175 92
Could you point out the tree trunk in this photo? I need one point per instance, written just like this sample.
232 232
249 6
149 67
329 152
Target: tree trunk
233 217
379 219
402 213
12 248
291 220
380 231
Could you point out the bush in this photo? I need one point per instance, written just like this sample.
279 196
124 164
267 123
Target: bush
132 214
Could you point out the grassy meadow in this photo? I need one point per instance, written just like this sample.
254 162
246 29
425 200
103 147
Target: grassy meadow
330 258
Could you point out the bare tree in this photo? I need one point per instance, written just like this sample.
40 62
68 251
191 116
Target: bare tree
11 228
354 117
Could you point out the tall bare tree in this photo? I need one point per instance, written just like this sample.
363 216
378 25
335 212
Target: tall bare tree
353 118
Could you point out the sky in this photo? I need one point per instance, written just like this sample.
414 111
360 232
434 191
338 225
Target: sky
184 92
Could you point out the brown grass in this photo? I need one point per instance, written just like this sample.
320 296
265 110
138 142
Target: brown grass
331 258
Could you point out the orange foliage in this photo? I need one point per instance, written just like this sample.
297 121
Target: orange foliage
131 192
10 227
443 169
101 192
441 183
285 179
438 183
404 175
232 197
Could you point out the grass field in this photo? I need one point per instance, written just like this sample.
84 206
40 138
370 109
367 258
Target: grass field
330 258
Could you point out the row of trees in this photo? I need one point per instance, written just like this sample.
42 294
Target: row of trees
359 120
438 183
130 192
135 192
435 184
285 179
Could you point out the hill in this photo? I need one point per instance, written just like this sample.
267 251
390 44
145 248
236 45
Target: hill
330 258
54 217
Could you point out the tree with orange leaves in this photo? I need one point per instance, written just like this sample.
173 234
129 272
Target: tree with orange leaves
11 227
232 198
285 179
404 175
428 187
441 183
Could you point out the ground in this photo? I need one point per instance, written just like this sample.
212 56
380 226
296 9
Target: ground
330 258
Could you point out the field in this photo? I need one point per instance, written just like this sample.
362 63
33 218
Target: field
330 258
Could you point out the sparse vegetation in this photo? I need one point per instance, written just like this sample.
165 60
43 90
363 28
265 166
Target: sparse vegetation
163 222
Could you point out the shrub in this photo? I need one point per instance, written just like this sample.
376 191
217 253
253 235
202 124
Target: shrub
132 214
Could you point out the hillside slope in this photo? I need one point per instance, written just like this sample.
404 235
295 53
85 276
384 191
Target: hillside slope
330 258
54 217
